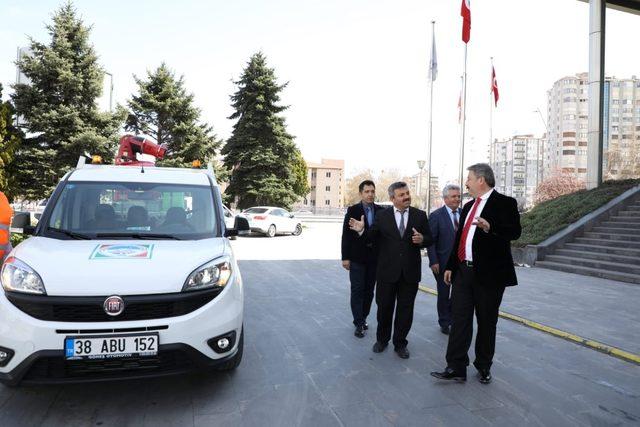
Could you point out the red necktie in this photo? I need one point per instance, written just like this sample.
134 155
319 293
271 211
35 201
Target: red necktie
462 255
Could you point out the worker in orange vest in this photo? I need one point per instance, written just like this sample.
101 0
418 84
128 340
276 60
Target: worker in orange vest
5 221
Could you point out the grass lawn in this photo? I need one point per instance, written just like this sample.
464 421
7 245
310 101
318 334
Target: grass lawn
547 218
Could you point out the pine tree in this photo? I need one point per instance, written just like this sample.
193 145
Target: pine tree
164 110
266 166
59 107
10 138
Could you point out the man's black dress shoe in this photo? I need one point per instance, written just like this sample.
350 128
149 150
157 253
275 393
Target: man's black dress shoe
402 352
484 376
450 374
444 330
366 326
379 347
359 332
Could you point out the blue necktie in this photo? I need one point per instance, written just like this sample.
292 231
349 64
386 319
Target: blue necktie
369 215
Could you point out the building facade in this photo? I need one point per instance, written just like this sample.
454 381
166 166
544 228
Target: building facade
418 185
327 185
518 164
567 111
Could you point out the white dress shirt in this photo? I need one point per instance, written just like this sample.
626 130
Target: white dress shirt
472 229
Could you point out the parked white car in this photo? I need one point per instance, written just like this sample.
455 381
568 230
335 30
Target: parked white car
128 275
269 220
229 219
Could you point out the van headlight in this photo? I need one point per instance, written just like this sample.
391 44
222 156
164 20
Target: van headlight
214 273
17 276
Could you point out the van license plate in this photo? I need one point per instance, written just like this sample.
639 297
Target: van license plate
109 347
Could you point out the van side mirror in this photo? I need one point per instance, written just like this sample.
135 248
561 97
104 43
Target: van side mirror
240 228
21 223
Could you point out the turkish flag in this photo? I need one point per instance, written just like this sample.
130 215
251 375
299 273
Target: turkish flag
494 86
465 12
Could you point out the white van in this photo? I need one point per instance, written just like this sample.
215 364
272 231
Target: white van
128 274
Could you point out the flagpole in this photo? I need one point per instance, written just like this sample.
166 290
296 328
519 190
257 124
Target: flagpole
428 201
464 118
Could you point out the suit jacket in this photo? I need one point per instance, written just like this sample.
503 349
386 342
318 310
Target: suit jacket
398 255
443 237
492 260
354 248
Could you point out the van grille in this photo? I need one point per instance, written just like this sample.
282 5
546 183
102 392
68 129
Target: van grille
90 309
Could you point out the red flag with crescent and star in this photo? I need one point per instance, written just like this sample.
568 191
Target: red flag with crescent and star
465 12
494 86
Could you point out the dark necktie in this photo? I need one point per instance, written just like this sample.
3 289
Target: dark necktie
455 221
402 226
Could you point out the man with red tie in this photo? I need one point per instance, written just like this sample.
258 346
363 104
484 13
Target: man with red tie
481 266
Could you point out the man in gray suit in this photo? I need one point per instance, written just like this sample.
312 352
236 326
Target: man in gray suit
444 225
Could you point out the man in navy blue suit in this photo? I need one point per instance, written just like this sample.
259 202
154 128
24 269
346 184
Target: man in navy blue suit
359 257
444 225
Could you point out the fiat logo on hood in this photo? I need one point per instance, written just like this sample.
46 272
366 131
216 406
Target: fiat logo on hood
113 305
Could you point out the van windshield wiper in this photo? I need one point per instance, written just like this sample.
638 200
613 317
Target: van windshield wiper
70 233
141 236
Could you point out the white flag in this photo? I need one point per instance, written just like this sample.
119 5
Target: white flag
433 66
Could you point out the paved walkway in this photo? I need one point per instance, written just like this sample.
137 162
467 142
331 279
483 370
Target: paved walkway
303 366
599 309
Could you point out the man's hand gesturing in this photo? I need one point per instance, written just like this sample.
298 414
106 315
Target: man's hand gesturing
356 225
417 238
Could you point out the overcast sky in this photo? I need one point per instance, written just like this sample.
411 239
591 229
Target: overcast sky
357 69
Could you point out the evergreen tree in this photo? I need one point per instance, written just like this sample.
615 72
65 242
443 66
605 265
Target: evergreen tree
10 138
59 107
266 166
164 110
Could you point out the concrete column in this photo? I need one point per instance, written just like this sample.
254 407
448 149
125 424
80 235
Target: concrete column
596 91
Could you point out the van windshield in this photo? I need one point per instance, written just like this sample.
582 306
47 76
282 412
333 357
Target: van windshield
132 210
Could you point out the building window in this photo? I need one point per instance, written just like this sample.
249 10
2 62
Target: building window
306 202
328 174
568 152
327 188
313 188
327 202
313 202
313 174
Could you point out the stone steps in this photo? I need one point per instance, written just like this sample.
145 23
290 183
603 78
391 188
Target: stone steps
588 271
603 249
611 249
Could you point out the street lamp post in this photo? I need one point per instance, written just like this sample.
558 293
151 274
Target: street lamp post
421 164
110 91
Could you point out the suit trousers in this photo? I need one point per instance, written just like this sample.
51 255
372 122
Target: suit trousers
444 302
469 295
400 296
363 281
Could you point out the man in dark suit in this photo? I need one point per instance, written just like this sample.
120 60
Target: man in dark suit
359 257
444 225
481 266
399 232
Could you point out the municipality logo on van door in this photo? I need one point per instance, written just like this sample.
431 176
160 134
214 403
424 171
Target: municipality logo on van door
122 251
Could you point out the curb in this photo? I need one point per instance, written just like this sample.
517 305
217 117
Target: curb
594 345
